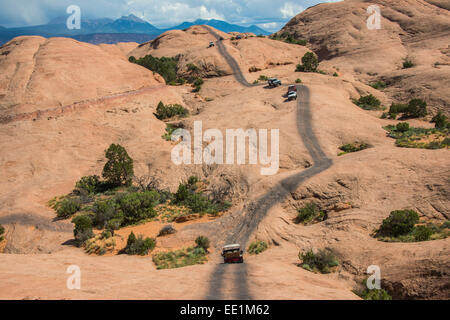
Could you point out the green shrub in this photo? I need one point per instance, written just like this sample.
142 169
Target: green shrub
298 80
440 121
83 229
309 213
379 85
202 242
407 64
353 147
67 207
253 69
417 108
368 102
166 67
118 170
90 184
132 59
139 245
192 68
197 202
2 232
402 126
170 128
321 261
399 222
335 74
309 63
137 206
171 110
422 233
263 78
104 211
376 294
256 247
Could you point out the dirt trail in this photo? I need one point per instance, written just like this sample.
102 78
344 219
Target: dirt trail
247 223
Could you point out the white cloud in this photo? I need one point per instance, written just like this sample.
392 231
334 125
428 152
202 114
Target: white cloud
290 9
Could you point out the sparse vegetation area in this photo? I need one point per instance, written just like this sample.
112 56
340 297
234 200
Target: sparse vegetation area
127 205
256 247
369 102
416 108
288 38
183 257
169 111
352 147
372 294
379 85
323 261
139 245
309 63
166 67
310 213
423 138
404 226
407 63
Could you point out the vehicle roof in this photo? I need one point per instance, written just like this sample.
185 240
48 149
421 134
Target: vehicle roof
232 246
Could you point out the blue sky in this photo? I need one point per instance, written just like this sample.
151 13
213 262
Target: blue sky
268 14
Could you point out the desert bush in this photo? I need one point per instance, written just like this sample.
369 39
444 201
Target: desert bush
417 108
132 59
309 63
67 207
104 211
118 170
171 110
379 85
166 67
399 222
83 229
376 294
2 232
440 121
89 184
256 247
137 206
179 258
197 202
298 80
139 245
202 242
170 128
353 147
192 68
402 126
263 78
422 233
198 82
309 213
407 64
368 102
321 261
335 74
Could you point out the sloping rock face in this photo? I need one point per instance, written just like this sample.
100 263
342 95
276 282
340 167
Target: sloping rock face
192 46
38 73
415 30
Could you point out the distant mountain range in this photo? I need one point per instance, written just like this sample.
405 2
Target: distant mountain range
125 29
